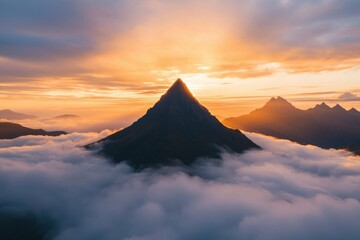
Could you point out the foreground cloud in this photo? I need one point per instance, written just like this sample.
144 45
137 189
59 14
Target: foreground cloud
285 191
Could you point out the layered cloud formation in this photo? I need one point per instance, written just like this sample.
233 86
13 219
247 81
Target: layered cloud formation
285 191
119 42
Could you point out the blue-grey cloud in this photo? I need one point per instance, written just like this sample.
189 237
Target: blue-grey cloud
41 30
348 96
28 47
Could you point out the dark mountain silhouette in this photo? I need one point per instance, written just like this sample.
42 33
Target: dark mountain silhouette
322 125
354 112
13 130
11 115
178 129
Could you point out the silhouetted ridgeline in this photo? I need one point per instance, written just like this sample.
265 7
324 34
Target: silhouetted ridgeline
13 130
321 126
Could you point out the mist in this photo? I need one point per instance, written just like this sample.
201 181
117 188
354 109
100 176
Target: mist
285 191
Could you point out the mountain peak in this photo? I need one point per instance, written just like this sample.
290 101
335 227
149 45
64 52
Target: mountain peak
177 129
322 106
280 99
178 88
11 115
338 107
179 82
178 102
278 102
353 110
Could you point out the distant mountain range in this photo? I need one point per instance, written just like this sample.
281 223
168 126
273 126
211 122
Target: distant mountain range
178 129
13 130
321 126
11 115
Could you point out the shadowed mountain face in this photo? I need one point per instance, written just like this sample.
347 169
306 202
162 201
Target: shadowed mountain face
321 126
176 129
11 115
13 130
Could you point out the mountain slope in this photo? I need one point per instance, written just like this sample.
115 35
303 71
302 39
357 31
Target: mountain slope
13 130
321 126
11 115
176 129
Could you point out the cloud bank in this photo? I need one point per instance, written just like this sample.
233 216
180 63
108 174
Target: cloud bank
285 191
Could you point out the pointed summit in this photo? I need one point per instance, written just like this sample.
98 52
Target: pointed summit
179 86
338 107
278 103
280 99
177 129
353 110
11 115
178 93
322 106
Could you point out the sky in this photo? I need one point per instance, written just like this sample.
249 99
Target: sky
111 60
284 191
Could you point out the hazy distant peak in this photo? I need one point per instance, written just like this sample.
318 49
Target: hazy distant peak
6 111
280 99
278 102
11 115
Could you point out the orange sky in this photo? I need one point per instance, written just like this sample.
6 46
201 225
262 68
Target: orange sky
113 60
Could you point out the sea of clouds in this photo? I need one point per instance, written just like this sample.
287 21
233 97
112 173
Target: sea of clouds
55 188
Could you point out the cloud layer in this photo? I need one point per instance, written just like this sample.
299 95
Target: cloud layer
285 191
